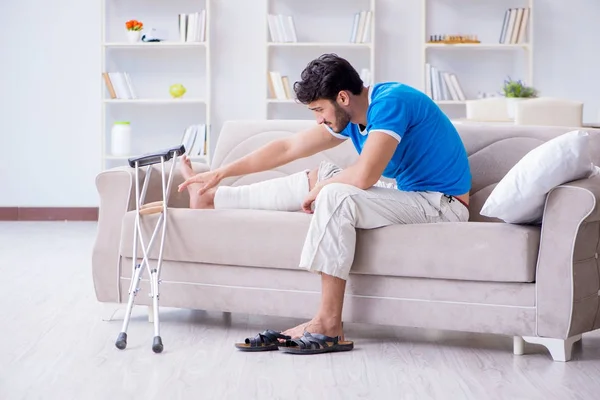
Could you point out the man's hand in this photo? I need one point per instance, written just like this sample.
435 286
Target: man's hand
310 198
208 180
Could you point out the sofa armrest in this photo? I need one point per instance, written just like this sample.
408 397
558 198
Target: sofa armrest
116 189
568 271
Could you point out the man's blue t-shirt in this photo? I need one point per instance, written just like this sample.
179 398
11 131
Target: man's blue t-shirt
430 155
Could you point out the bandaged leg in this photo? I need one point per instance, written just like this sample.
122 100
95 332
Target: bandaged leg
279 194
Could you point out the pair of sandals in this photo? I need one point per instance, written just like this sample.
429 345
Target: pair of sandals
309 343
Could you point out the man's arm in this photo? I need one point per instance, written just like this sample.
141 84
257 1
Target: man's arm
283 151
367 170
386 123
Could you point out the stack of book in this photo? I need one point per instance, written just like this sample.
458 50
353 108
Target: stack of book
442 85
361 27
514 26
119 85
282 28
192 27
279 86
194 140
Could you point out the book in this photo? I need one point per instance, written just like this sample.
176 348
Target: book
119 85
282 28
279 86
194 140
442 85
192 27
361 27
515 26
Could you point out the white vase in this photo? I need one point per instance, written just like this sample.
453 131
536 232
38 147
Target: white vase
120 139
511 105
133 36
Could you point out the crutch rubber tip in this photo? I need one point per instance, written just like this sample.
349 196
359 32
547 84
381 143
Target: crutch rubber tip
121 341
157 346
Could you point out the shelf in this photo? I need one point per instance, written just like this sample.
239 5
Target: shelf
482 46
443 102
450 70
282 101
154 101
318 44
288 49
140 45
153 109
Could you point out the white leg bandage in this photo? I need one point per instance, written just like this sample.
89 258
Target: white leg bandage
279 194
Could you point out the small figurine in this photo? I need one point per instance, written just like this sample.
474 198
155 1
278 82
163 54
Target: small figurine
453 39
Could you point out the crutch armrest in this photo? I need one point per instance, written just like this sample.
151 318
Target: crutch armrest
155 157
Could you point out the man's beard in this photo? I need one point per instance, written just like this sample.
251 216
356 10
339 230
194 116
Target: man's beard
342 118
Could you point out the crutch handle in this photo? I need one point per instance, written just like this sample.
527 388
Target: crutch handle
153 204
154 158
151 210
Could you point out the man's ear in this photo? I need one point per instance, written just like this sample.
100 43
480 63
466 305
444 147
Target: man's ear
343 98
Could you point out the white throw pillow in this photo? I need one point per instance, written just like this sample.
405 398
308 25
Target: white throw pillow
520 196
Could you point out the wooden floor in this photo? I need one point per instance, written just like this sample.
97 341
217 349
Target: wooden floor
55 345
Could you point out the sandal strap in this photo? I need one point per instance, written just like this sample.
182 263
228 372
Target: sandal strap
314 341
266 338
323 338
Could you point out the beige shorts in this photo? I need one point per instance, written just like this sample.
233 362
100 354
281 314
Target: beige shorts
341 208
383 204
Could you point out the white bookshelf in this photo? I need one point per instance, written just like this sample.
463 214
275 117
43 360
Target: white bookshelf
319 44
157 119
316 27
487 46
478 67
156 101
155 45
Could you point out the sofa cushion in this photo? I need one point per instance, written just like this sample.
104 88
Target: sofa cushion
520 196
480 251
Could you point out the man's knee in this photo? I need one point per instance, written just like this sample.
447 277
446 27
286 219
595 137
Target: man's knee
324 171
336 193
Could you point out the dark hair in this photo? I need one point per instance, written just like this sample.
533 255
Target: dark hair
325 77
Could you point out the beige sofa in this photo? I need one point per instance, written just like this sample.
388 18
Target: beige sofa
538 284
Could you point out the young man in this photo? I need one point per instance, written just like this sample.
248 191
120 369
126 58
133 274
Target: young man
399 133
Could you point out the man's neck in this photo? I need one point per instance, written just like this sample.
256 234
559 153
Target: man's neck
362 106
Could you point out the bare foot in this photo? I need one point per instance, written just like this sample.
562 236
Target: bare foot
317 325
186 167
196 201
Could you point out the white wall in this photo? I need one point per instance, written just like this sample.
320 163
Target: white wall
50 89
49 110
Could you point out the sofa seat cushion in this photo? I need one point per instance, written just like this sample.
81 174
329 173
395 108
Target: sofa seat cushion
479 251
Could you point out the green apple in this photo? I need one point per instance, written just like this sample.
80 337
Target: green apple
177 90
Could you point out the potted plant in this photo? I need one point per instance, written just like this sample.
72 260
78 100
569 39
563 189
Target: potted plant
134 30
516 91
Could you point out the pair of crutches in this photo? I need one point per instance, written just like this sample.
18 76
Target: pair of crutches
148 160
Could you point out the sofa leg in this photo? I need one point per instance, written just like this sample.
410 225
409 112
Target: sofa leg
560 350
150 314
518 345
